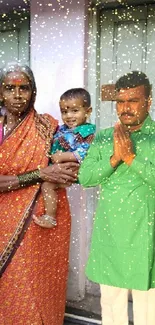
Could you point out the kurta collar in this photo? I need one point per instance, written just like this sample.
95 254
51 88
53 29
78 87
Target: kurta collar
147 125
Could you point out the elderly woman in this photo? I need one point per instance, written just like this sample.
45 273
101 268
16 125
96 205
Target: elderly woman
34 261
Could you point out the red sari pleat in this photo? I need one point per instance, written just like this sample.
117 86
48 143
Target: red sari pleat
33 287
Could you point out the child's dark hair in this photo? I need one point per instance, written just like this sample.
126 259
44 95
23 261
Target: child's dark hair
134 79
77 93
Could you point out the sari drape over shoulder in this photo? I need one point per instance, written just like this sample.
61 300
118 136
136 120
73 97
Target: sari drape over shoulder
33 286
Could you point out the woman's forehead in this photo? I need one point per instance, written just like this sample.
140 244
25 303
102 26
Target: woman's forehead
16 77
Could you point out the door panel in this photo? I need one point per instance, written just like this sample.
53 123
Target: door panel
129 49
14 39
9 45
127 43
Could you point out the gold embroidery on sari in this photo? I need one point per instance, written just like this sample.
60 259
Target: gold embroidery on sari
10 246
45 129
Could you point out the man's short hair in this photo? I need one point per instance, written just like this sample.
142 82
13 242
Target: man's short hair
77 93
134 79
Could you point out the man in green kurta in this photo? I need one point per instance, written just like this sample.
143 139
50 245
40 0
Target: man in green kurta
122 161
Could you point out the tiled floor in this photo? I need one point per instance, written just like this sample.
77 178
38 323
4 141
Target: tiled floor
73 322
88 308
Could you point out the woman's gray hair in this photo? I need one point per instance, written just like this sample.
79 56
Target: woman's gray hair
18 67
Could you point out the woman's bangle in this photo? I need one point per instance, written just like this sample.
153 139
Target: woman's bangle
30 178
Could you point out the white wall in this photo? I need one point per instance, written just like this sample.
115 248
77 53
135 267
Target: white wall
58 47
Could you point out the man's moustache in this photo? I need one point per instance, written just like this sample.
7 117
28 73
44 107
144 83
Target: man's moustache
127 113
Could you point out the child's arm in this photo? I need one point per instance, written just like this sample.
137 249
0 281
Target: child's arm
60 157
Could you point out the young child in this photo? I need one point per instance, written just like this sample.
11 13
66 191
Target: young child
71 143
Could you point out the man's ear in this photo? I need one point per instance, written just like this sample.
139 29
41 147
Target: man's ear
149 103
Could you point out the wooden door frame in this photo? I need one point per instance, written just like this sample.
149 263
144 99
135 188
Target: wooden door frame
95 12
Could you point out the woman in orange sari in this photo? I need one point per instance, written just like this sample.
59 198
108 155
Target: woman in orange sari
34 261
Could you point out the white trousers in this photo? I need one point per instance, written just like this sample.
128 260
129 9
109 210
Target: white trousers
114 306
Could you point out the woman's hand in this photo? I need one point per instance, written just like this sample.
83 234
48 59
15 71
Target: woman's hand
60 173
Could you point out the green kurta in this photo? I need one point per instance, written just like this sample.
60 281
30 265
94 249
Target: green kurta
122 251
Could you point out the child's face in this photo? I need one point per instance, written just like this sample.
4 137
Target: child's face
73 113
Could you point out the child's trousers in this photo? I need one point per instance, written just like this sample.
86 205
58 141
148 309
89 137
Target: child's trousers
114 305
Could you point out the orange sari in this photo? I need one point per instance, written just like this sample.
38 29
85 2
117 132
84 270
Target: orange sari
33 286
